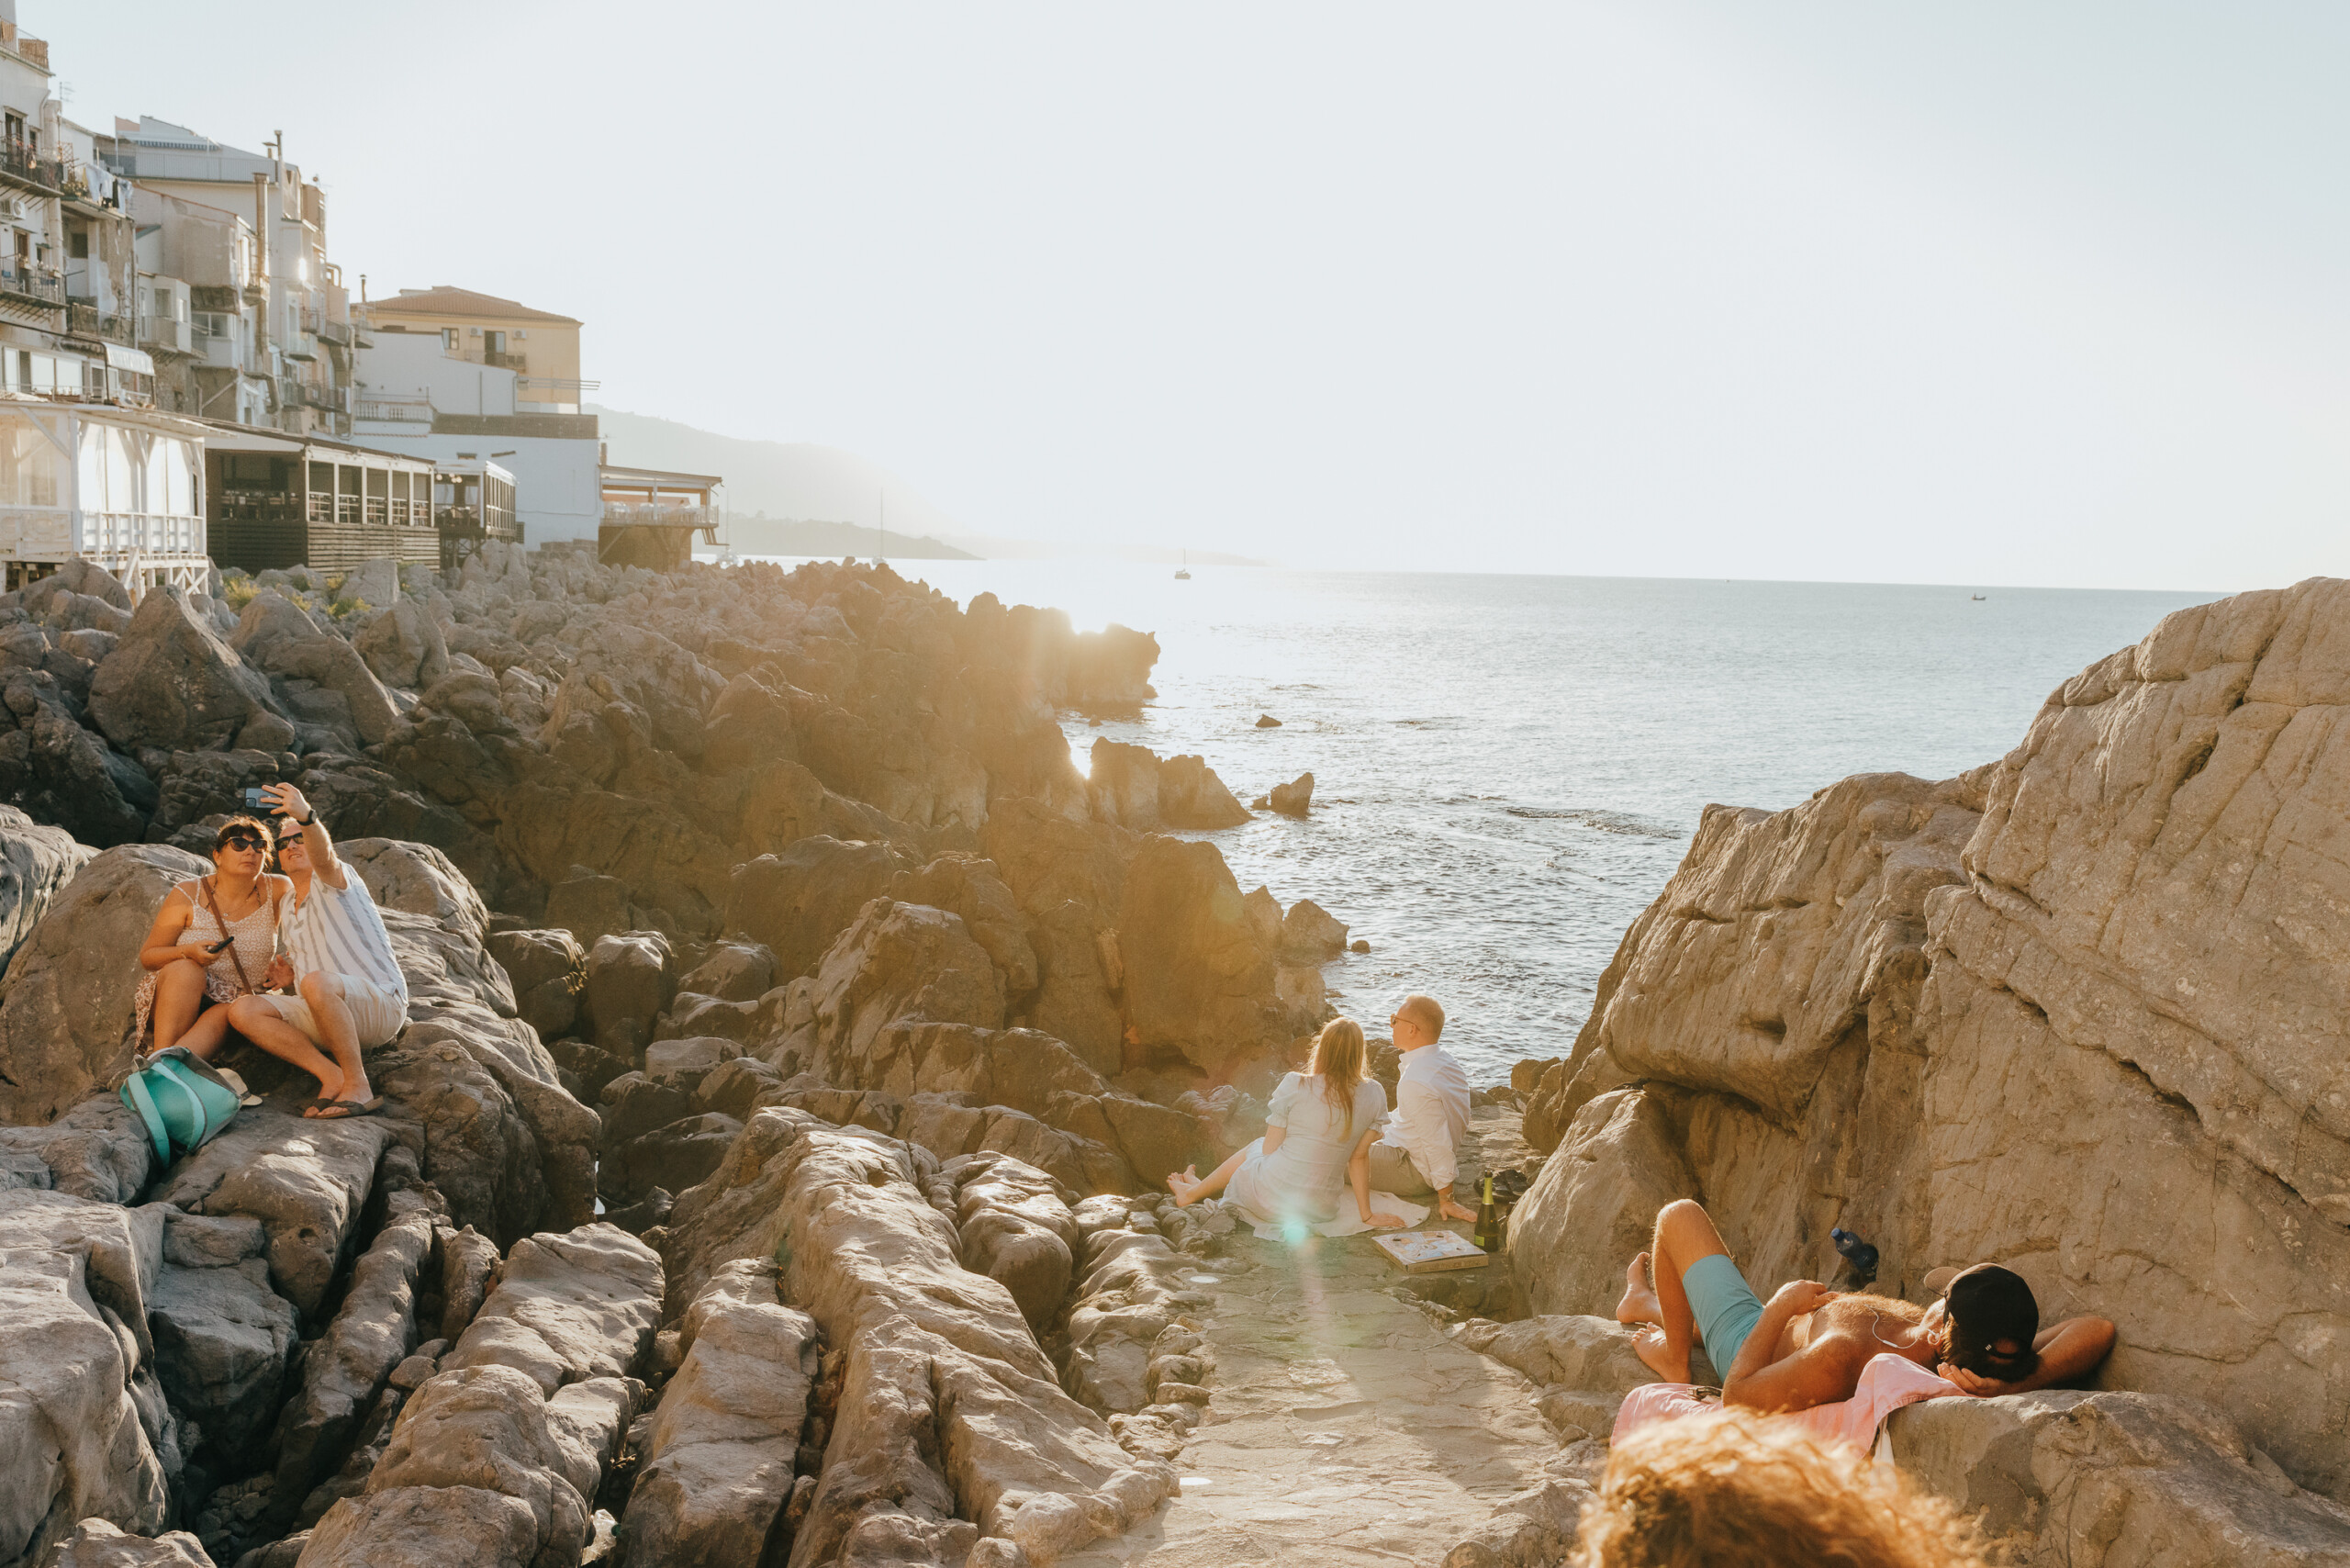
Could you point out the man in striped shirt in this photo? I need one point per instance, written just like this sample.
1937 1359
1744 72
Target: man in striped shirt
350 993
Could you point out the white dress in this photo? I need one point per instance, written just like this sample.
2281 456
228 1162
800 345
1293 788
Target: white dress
1304 1178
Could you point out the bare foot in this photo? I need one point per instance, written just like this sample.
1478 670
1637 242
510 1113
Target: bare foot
1639 1302
1657 1355
1183 1183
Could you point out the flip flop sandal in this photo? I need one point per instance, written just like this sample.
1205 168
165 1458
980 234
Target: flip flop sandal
350 1109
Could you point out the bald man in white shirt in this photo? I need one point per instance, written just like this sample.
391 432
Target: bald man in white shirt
1417 1156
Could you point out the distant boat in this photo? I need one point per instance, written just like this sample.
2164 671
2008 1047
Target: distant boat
1184 573
1975 597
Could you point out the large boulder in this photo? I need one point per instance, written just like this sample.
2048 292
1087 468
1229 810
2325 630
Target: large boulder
36 863
172 683
795 903
1196 982
94 1543
56 771
1595 1205
899 961
404 647
2079 1011
1191 796
2118 1481
66 1000
74 1443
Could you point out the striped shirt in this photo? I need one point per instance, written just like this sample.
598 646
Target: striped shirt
339 931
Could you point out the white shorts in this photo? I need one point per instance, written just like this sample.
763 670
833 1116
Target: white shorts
375 1012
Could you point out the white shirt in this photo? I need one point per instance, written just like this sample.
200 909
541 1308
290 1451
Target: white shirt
1431 1113
339 931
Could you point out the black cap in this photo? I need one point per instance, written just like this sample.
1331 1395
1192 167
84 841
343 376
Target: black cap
1989 1305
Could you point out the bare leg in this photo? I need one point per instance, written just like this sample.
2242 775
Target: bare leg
179 992
1683 1235
332 1015
1189 1187
257 1021
204 1037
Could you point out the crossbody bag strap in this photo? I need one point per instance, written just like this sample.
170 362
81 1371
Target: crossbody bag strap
222 921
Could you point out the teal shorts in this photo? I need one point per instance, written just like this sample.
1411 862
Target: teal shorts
1724 1307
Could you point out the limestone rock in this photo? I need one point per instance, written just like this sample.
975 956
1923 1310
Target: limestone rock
222 1339
567 1307
404 647
74 1279
1594 1206
930 1347
173 683
1294 797
549 971
2118 1481
735 972
717 1465
630 981
969 887
94 1543
1196 982
898 961
1016 1229
372 1332
798 903
1191 797
65 1003
2117 937
1312 935
100 1149
61 773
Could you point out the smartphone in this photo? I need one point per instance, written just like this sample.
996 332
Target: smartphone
216 947
255 802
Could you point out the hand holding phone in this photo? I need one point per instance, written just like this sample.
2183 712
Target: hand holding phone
221 946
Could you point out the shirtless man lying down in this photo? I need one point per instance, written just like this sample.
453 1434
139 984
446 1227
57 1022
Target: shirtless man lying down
1808 1345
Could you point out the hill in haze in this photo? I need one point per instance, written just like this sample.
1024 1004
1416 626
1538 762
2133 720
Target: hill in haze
820 500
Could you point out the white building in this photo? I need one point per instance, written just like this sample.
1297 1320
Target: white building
85 481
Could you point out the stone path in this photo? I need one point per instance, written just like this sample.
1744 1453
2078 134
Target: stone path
1344 1427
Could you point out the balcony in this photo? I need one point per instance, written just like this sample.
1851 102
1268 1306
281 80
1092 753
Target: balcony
83 318
23 161
506 361
336 332
395 410
641 514
33 285
165 334
301 346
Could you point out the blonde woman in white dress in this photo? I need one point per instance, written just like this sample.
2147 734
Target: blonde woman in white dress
1318 1133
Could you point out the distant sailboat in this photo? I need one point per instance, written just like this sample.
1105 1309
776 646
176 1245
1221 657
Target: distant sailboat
1976 597
1184 573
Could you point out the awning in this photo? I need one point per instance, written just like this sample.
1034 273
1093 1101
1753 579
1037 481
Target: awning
137 360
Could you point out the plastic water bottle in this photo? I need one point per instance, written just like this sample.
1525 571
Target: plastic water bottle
1856 1252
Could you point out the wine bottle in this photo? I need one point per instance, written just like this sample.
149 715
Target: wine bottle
1488 1234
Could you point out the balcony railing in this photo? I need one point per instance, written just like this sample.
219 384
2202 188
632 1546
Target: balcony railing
416 411
168 333
338 333
662 516
506 361
33 283
22 159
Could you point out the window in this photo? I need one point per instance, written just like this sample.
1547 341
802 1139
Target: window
449 340
493 341
81 244
28 464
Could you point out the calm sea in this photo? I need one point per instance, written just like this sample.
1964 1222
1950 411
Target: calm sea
1507 769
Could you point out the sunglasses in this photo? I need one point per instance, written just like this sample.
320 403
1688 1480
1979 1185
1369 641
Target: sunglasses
239 841
291 841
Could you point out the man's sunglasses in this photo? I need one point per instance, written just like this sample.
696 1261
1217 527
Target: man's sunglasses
289 841
245 839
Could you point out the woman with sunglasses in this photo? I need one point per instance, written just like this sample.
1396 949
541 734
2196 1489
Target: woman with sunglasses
214 940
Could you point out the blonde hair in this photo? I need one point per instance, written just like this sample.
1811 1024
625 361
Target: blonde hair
1427 1012
1338 1057
1732 1488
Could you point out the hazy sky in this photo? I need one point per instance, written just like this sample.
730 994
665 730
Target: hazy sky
1981 292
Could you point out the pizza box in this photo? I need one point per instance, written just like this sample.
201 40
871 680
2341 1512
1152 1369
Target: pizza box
1430 1251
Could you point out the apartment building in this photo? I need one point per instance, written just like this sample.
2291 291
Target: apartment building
271 338
88 469
463 378
541 347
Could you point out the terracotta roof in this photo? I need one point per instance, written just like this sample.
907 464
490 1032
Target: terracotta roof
443 299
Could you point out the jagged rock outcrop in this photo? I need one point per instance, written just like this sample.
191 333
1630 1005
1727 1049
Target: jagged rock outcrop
172 683
951 1426
1196 982
2081 1012
65 1002
718 1464
84 1432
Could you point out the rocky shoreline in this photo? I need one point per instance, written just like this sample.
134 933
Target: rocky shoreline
798 1036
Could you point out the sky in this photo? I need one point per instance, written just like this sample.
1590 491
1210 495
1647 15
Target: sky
1992 293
